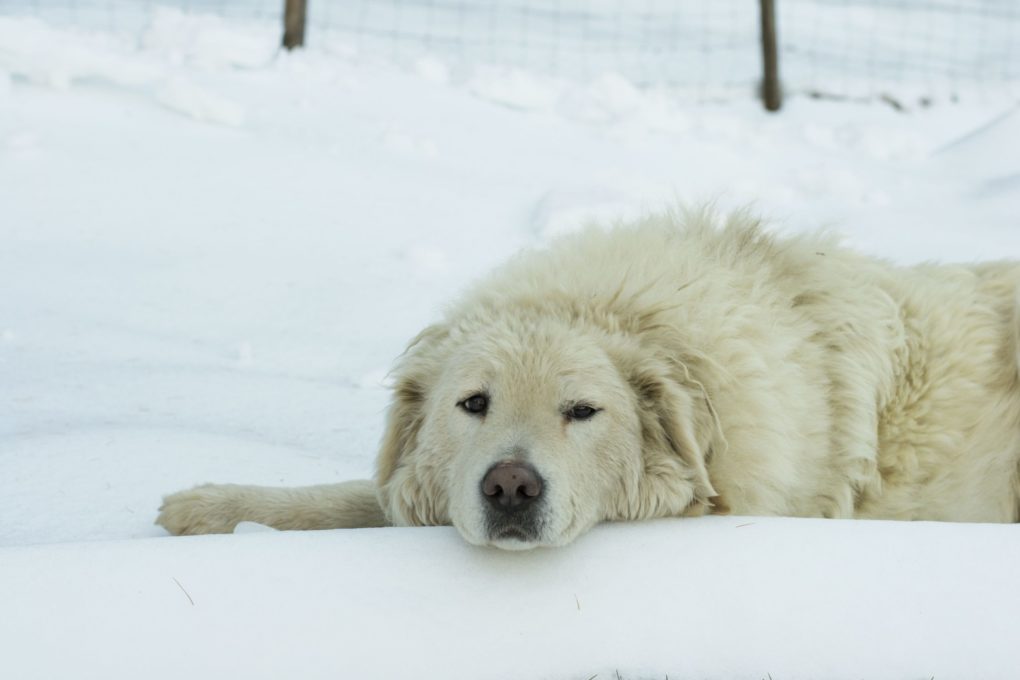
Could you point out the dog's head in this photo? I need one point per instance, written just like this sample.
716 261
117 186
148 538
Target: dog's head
526 432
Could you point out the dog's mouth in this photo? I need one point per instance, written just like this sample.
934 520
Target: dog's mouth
513 535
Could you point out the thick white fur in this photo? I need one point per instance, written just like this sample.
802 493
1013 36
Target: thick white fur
735 372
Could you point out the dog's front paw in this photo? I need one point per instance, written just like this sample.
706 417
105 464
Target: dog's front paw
207 509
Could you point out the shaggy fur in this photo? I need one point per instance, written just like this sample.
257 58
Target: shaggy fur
734 371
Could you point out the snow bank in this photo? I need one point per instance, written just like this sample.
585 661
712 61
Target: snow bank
706 598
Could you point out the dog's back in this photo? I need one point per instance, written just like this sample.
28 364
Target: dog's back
949 430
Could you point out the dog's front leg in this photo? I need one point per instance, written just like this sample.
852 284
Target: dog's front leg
218 508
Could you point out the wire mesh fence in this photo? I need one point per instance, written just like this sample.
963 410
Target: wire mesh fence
900 48
710 48
903 50
131 17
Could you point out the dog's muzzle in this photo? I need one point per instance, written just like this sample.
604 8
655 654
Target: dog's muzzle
513 493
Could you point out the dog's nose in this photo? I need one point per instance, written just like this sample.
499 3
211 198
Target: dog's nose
511 485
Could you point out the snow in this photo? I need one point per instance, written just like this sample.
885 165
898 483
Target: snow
714 598
210 254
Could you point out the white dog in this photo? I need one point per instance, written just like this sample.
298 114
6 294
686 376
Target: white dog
674 368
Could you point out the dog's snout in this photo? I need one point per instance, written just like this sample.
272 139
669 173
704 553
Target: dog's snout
511 485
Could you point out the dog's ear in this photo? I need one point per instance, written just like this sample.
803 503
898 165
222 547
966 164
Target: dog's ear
669 428
415 371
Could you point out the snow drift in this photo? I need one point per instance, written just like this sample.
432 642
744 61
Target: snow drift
706 598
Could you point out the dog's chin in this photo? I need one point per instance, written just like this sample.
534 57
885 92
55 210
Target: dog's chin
517 533
514 536
506 538
513 543
510 538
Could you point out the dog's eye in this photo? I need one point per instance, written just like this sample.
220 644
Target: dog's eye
581 412
476 404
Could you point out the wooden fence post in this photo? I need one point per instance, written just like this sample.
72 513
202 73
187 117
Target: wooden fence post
294 23
771 92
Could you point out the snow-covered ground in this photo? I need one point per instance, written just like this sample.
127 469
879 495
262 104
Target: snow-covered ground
210 253
746 599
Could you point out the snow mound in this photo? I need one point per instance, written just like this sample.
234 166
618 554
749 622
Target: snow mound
973 153
208 41
562 211
59 58
196 102
693 598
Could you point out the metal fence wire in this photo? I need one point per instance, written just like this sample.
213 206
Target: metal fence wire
901 50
